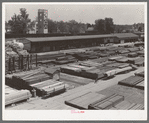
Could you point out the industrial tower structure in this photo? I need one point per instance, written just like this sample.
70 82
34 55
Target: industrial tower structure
42 21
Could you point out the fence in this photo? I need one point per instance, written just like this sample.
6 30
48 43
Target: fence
20 63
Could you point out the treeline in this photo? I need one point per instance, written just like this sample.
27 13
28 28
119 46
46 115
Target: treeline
21 24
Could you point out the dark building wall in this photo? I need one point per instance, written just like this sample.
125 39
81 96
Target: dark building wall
37 47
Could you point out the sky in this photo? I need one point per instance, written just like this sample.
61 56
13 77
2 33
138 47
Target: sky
85 13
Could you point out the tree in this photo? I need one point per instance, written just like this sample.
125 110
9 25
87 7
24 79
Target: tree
73 27
31 25
109 25
19 23
52 26
140 29
100 26
61 26
24 19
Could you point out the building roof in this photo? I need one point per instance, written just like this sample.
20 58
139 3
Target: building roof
61 38
39 39
125 35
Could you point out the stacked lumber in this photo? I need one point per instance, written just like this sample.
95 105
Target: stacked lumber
95 49
103 54
74 81
123 51
114 58
133 49
90 64
131 81
79 66
92 56
140 74
141 53
48 56
106 102
101 60
111 72
46 61
12 97
140 85
81 56
118 65
122 60
112 48
124 69
71 70
96 73
93 74
102 48
65 60
111 52
48 87
139 61
54 89
132 54
106 63
24 79
123 65
125 105
82 101
136 107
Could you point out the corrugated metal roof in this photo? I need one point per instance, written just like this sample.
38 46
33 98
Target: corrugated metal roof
61 38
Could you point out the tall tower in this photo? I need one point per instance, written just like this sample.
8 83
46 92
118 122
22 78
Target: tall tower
42 21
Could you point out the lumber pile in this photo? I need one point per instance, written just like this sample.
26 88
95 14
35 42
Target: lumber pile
139 74
24 79
124 69
101 60
111 73
131 81
48 87
82 101
48 56
140 85
71 70
122 51
96 73
125 105
140 53
106 102
133 49
64 60
132 54
13 96
137 61
90 64
118 65
114 58
122 60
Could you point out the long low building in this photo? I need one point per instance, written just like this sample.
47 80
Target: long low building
46 44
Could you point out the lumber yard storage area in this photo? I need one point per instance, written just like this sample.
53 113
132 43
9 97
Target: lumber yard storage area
89 77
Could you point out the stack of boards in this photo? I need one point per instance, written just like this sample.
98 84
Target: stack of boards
24 79
13 96
126 105
131 81
64 60
95 101
49 87
36 79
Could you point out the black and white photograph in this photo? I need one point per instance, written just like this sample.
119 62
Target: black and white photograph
66 60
